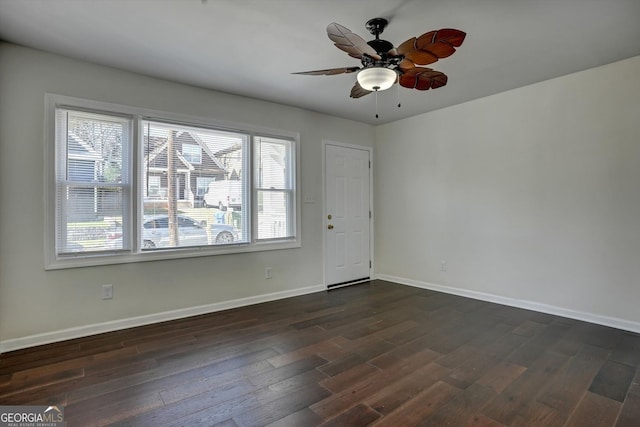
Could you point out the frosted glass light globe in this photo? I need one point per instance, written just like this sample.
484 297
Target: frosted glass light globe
376 78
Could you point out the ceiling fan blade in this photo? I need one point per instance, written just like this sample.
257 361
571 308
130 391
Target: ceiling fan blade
358 91
350 42
409 51
431 46
451 36
422 78
406 65
329 71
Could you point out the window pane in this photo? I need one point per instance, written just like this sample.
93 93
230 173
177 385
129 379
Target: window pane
92 181
192 153
274 182
274 209
273 162
193 185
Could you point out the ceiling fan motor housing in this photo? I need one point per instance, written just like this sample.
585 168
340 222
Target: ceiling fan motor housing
381 46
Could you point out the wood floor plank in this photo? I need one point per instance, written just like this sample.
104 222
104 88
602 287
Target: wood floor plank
275 375
204 385
23 380
303 417
420 407
501 376
53 394
290 384
539 414
346 378
461 409
480 420
566 389
390 398
526 388
384 329
627 350
469 372
283 407
208 408
344 363
236 362
630 414
404 352
359 415
504 346
594 411
343 400
528 328
532 349
157 378
303 352
613 380
111 412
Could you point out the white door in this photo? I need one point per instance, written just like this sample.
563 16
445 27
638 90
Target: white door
347 215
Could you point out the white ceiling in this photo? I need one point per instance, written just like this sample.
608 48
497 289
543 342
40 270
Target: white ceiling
251 47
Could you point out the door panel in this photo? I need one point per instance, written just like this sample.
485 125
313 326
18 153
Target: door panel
347 218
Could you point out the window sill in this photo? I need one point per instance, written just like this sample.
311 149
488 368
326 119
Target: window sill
105 258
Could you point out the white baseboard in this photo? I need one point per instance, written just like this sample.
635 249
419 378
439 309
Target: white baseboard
115 325
613 322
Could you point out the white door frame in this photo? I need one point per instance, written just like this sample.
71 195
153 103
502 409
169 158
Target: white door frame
324 209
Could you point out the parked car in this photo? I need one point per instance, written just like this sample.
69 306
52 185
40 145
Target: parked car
224 194
191 232
223 234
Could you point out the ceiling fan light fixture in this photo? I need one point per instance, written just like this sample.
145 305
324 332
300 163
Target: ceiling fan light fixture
376 78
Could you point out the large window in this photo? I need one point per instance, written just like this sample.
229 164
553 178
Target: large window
132 185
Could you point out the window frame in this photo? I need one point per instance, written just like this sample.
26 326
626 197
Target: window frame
288 188
54 260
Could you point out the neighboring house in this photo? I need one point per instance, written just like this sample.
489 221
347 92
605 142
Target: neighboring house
196 167
86 164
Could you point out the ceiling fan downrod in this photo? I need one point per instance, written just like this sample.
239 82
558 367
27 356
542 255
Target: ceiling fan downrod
376 26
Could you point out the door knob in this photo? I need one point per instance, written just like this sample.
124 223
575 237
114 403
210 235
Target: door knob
330 227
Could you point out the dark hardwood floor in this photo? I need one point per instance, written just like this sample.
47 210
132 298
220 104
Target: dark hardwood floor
376 353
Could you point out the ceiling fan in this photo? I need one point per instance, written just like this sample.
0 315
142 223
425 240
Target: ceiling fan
383 64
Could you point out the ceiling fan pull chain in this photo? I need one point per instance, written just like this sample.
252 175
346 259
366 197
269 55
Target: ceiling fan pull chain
398 94
376 103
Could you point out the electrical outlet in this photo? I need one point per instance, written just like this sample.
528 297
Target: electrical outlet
443 265
268 273
107 291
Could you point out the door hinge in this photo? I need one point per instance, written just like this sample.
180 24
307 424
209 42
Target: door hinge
369 164
369 214
369 263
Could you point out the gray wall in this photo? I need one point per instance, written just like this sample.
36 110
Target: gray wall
531 196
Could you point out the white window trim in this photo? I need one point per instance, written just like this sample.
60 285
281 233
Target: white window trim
53 261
